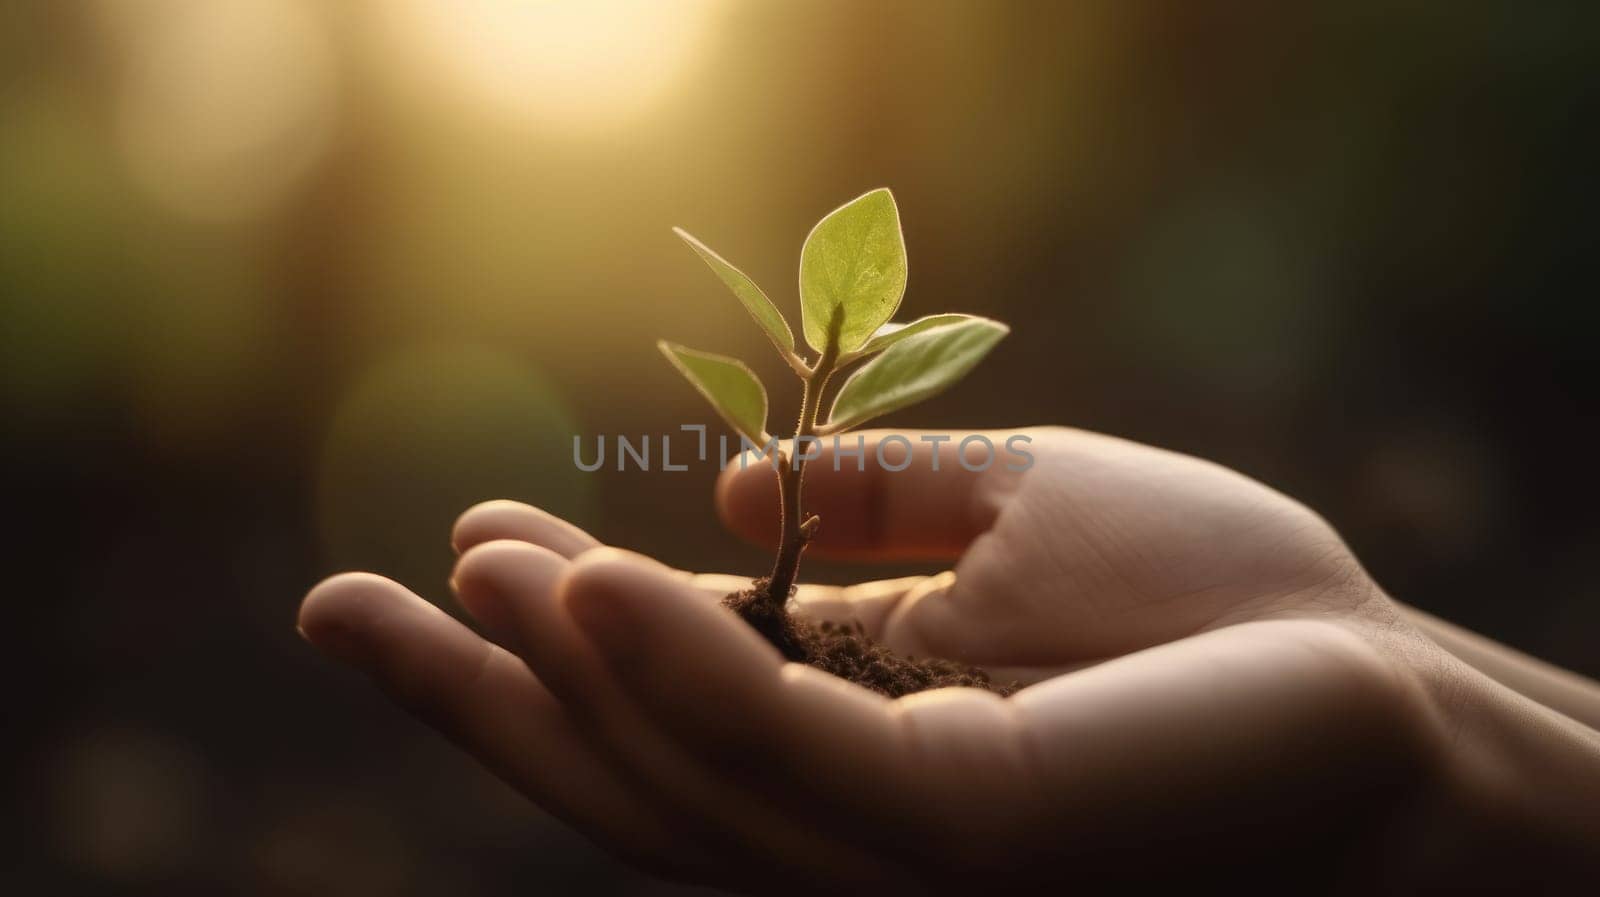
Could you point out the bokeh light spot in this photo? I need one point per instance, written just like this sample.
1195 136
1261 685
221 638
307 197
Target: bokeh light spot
60 214
1217 290
129 804
224 104
427 433
552 63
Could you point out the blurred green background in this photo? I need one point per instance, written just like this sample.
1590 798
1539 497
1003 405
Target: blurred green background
287 284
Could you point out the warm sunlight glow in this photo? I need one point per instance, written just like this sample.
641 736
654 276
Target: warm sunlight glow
566 63
224 104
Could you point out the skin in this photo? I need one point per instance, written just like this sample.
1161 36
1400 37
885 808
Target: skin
1221 695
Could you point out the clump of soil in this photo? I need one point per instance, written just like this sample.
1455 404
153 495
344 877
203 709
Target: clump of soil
845 650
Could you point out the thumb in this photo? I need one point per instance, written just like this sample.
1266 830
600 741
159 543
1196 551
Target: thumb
884 495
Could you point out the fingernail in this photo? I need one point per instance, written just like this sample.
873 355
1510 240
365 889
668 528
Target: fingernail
340 642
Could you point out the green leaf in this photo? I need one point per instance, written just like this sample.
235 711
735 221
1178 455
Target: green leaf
891 333
853 264
913 369
755 301
731 388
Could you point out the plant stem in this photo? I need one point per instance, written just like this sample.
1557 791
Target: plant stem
795 530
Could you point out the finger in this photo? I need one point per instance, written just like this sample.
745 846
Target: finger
501 519
490 521
720 816
821 749
482 698
497 611
642 625
903 498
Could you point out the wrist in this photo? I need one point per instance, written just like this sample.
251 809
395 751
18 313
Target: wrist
1556 688
1513 784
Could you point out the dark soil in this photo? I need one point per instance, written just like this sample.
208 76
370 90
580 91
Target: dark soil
845 650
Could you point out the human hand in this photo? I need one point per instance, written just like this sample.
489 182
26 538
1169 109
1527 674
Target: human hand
1263 706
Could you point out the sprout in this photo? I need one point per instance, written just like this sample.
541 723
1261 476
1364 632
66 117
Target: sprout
852 277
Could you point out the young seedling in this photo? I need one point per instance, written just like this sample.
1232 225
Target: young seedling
852 277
